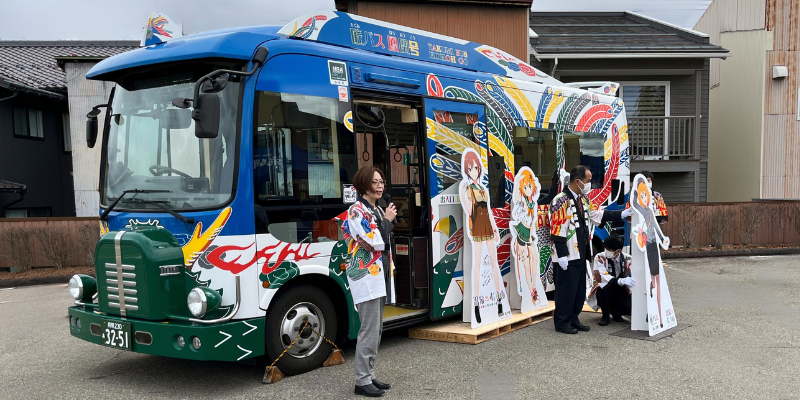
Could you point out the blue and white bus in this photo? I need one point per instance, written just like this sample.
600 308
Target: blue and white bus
227 160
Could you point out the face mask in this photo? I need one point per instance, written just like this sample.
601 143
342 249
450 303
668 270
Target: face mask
649 185
609 254
587 187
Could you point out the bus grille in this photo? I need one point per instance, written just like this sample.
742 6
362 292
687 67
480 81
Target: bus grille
121 281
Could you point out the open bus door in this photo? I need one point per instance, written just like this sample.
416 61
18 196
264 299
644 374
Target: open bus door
452 127
396 147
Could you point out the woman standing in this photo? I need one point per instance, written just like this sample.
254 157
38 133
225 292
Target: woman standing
482 229
369 272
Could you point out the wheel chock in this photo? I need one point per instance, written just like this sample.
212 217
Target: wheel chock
272 375
336 358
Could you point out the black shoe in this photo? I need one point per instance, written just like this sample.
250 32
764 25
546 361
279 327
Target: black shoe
499 309
368 390
618 318
604 321
380 385
581 327
478 314
570 330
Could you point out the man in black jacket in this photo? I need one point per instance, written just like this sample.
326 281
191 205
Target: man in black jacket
571 219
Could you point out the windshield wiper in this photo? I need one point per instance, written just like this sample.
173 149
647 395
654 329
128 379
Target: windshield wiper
162 205
104 215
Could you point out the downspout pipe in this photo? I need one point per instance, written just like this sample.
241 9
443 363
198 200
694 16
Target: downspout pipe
21 194
13 95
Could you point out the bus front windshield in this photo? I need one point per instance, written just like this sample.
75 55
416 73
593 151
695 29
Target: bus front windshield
151 145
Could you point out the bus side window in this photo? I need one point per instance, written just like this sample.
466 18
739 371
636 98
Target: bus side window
537 150
303 157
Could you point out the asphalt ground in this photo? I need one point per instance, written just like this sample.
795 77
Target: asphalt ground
743 344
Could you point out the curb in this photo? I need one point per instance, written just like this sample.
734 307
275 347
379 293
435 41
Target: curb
45 280
730 253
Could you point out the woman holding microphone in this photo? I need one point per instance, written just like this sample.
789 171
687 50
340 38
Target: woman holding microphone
369 272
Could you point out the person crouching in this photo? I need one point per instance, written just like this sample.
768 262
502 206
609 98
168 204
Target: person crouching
612 281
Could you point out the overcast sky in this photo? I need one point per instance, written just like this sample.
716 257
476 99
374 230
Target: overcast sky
125 19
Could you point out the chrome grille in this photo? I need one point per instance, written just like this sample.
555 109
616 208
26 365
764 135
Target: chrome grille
121 292
168 270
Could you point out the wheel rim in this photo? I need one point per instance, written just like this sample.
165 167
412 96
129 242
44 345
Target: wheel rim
309 341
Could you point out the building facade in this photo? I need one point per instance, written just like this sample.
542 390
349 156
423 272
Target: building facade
663 72
754 111
43 106
34 152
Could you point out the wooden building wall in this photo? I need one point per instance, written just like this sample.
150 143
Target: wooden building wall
781 158
503 27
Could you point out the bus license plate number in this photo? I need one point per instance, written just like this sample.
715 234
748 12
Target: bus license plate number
116 334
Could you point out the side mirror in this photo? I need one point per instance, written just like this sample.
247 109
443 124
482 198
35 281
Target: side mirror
215 84
206 116
91 131
91 127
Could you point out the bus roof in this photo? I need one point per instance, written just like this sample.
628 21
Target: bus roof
357 32
335 28
234 43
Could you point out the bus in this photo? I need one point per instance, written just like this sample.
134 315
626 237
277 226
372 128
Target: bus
227 165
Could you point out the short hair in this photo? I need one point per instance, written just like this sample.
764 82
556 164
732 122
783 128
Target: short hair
471 158
578 172
614 242
362 180
647 175
527 178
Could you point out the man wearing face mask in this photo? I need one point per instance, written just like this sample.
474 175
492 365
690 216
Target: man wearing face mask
571 226
612 281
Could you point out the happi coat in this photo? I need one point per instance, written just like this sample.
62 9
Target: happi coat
367 272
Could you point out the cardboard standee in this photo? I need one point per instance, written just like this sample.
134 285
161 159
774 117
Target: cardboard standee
485 297
528 291
651 301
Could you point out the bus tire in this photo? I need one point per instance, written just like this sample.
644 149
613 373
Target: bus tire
285 317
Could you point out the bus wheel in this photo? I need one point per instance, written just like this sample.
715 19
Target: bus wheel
284 322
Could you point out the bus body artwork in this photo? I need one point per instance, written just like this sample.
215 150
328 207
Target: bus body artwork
224 192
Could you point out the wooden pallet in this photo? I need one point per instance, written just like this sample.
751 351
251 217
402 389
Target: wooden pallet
461 332
586 308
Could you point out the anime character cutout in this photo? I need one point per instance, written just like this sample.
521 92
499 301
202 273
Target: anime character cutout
525 246
485 237
648 236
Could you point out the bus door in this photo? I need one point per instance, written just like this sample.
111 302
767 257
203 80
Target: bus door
451 127
397 148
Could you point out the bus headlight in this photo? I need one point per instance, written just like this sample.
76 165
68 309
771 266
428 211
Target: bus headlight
82 287
202 301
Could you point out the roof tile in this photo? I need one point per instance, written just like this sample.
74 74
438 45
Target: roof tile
33 63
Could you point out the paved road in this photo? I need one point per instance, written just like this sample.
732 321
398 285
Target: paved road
743 343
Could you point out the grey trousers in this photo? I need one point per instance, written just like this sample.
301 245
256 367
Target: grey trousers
369 336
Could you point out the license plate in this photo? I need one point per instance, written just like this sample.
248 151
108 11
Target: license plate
116 334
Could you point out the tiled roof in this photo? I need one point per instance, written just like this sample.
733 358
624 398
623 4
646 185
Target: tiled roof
33 63
612 32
